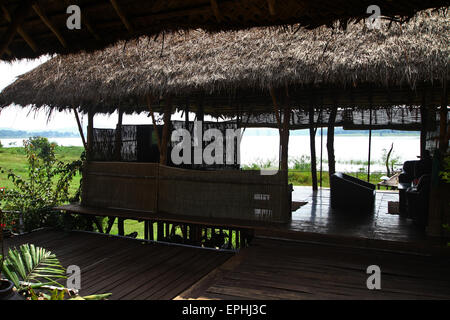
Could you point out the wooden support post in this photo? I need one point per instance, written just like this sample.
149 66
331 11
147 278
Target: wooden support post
120 226
159 230
312 143
90 135
330 142
97 224
158 138
370 144
216 11
167 233
146 227
278 118
110 224
80 128
118 142
439 193
19 17
166 132
443 114
285 139
424 126
151 230
321 154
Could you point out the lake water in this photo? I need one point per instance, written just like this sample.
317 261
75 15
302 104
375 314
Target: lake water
262 148
346 148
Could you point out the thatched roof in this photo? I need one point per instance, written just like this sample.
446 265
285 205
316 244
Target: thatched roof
234 70
42 24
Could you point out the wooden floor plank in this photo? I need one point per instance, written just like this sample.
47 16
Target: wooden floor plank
125 266
277 269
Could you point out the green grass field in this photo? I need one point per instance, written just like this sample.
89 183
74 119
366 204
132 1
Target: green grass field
14 159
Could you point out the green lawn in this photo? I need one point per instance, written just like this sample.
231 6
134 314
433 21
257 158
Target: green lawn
15 159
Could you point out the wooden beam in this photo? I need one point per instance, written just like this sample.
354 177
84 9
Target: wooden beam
20 15
85 20
271 5
80 128
216 10
20 30
122 16
40 12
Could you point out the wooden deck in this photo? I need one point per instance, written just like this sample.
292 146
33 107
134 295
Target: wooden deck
275 269
315 222
128 268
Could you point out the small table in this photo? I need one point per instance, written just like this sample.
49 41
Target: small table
392 182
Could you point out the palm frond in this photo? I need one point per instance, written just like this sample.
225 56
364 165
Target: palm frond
32 265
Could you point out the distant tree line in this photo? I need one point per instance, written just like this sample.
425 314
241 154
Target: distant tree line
17 134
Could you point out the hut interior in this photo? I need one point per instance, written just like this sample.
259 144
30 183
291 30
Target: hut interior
30 28
393 78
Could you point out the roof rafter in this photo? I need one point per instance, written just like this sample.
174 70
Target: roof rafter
216 10
122 16
19 16
40 12
85 20
20 30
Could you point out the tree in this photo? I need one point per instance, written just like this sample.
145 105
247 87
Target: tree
46 185
389 159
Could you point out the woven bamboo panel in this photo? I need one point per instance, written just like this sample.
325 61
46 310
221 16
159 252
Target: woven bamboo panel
223 194
151 187
120 185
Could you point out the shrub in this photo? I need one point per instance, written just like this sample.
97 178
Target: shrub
46 186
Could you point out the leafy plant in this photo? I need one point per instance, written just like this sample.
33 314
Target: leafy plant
445 172
301 164
35 271
30 266
46 185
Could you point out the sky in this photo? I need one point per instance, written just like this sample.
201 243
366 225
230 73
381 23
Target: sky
18 118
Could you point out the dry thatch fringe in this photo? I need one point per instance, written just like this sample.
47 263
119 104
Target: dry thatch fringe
229 62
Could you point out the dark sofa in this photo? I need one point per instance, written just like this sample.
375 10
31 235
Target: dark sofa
413 169
351 194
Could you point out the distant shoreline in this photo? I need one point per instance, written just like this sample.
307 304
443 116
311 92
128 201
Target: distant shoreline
263 132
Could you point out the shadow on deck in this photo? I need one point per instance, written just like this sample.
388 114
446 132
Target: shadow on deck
275 269
318 222
127 268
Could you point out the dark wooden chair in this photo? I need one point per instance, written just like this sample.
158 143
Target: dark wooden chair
350 193
417 201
